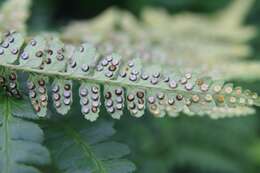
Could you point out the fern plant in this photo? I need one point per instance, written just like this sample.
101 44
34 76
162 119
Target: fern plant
46 58
48 75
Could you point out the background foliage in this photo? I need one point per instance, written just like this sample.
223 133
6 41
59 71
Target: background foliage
195 145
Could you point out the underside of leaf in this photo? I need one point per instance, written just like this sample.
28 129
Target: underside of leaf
125 83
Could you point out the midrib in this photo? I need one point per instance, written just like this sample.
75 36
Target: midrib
87 151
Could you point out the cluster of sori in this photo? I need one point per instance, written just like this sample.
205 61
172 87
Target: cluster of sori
89 100
8 82
125 82
77 58
38 94
215 99
62 95
43 54
114 101
136 102
133 76
11 43
59 56
160 102
5 44
109 66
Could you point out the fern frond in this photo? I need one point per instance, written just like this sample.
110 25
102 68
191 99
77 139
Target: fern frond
225 25
21 148
139 85
208 41
79 147
235 14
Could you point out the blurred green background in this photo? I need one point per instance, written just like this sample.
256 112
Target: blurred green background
47 13
182 145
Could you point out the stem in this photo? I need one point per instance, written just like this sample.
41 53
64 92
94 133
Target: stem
90 79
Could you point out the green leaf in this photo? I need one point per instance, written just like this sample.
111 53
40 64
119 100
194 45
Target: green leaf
20 141
22 108
77 146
